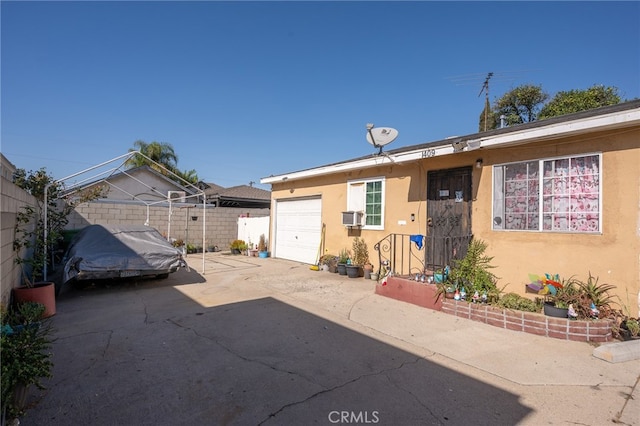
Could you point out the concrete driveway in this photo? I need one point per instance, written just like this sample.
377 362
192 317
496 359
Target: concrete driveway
266 341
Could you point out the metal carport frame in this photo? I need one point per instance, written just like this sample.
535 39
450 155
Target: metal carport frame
113 166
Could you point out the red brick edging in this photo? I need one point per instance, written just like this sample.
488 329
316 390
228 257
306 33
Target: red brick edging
527 322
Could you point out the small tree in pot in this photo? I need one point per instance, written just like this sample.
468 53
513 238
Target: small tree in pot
262 246
36 236
360 257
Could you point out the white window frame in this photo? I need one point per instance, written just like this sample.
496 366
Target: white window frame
359 203
498 196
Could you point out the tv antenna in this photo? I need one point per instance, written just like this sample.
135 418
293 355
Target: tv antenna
485 86
485 89
380 136
498 77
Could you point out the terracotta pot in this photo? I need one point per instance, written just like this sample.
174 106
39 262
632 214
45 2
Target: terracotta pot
368 268
44 292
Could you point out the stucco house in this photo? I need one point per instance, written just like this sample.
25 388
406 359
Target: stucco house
560 195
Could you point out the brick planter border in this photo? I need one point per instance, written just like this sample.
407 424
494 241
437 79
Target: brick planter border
411 292
528 322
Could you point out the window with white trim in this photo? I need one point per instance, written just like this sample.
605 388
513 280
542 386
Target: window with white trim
549 195
367 196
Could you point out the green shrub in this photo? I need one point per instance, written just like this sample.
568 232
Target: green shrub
473 272
238 245
518 303
25 351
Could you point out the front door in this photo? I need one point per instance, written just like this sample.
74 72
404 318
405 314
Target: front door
448 216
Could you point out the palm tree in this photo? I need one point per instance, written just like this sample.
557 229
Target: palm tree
161 153
189 175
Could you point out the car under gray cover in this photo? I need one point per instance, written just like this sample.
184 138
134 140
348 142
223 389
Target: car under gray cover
119 251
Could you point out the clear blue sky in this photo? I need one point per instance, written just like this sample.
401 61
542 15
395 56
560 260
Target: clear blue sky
244 90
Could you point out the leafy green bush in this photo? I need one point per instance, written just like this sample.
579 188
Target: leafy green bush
473 272
24 348
518 303
238 245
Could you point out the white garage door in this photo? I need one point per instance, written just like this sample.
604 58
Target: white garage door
298 228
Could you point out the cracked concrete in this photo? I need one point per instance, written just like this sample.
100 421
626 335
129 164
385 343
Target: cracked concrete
267 341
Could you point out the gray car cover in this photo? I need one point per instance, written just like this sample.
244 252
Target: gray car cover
115 251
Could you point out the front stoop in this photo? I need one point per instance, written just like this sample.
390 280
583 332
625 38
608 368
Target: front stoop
411 292
529 322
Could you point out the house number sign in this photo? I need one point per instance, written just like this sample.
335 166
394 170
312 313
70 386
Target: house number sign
428 153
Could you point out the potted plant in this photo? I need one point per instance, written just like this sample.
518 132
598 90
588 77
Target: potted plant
630 328
343 257
262 247
34 239
445 288
24 348
237 246
360 257
562 295
329 262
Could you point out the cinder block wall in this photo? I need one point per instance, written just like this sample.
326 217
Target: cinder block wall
221 222
13 199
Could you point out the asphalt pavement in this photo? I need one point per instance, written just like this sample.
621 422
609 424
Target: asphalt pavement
253 341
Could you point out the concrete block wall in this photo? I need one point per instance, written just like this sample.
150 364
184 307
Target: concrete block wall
177 223
12 200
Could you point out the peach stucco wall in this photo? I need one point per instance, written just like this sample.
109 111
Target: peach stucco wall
613 255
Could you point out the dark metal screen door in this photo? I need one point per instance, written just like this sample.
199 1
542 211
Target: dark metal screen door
448 215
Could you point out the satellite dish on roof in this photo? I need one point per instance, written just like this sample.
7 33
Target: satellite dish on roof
380 136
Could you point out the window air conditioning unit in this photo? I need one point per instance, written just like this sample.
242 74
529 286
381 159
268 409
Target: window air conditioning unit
177 196
352 218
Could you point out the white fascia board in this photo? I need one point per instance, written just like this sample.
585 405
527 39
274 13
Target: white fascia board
377 160
604 122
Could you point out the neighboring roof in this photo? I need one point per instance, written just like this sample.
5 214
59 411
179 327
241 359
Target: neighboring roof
237 196
210 188
621 115
246 192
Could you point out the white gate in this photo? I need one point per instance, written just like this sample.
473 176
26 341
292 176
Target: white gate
250 229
